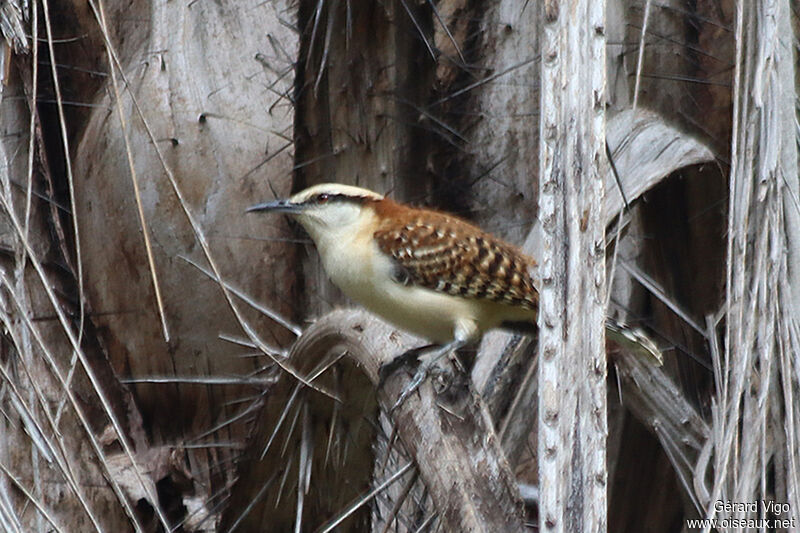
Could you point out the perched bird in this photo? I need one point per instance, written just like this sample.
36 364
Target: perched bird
427 272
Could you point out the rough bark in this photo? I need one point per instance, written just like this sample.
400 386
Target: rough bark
499 166
572 366
755 417
445 427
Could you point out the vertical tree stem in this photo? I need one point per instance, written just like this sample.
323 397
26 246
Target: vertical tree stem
572 375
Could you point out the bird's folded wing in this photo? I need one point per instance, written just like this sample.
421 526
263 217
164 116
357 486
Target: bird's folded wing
449 255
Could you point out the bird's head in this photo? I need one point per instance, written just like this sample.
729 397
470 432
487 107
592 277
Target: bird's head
325 209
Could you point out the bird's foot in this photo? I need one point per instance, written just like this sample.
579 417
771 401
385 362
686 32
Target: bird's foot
413 385
423 369
408 358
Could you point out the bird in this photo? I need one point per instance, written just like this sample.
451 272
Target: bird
427 272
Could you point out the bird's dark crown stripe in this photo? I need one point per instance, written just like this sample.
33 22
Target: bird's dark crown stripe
337 197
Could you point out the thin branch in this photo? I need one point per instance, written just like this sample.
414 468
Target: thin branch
31 498
136 191
266 311
366 498
48 357
67 165
640 59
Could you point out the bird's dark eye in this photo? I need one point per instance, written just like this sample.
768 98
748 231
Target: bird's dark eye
322 198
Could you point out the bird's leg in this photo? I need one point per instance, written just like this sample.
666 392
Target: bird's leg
424 368
407 358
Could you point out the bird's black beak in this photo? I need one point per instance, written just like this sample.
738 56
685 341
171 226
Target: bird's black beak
276 206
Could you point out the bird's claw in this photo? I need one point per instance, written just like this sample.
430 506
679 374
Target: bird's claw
422 371
408 358
416 381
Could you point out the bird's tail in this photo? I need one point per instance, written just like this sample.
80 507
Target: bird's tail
634 340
